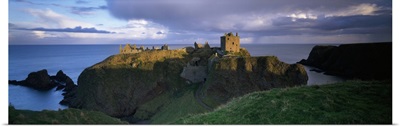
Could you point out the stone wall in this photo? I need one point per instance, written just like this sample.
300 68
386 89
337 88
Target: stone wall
132 49
195 74
230 43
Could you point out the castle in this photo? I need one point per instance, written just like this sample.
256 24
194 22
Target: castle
133 49
230 43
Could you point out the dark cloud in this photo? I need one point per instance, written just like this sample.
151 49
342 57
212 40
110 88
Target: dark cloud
358 21
208 19
365 23
77 29
210 16
188 13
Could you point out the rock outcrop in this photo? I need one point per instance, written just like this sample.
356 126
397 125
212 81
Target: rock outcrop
369 61
41 80
121 84
116 88
37 80
235 76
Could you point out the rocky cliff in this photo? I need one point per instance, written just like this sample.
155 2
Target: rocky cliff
41 80
119 84
126 85
235 76
369 61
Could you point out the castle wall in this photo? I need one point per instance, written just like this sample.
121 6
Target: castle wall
230 43
128 49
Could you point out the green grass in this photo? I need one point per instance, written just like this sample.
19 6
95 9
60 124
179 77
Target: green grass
351 102
67 116
170 107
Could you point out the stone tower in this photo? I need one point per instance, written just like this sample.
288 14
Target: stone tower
230 42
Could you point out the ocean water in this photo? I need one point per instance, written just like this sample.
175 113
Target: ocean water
73 59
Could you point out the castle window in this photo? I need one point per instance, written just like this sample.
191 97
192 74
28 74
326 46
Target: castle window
227 38
233 43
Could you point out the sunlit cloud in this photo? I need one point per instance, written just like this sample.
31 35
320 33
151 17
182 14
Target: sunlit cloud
361 9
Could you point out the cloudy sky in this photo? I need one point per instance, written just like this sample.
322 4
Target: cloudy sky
187 21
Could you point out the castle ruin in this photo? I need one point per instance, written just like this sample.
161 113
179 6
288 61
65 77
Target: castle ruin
132 49
230 42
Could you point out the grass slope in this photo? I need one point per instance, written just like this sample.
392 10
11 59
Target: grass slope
170 107
352 102
67 116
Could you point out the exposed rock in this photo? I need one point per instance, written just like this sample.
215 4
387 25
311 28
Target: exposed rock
195 74
42 81
15 82
235 76
319 55
114 87
37 80
369 61
66 82
61 77
69 87
68 96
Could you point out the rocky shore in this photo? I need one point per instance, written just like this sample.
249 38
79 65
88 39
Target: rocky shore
41 80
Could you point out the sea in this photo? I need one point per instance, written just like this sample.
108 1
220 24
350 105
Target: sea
73 59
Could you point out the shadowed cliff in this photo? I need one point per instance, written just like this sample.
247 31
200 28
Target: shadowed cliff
148 87
235 76
119 84
369 61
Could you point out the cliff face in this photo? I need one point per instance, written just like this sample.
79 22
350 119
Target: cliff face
235 76
119 84
127 85
370 61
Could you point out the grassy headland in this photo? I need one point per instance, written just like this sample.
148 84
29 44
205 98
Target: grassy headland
351 102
